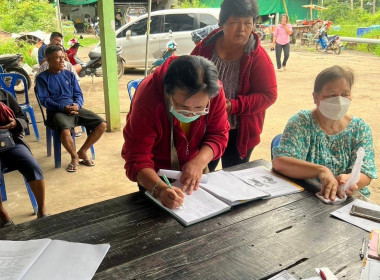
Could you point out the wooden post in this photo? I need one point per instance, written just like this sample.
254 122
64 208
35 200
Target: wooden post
109 63
373 6
311 10
285 8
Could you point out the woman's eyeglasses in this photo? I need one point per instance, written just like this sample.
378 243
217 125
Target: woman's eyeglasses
205 111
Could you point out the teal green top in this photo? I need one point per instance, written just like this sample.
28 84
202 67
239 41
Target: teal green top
304 139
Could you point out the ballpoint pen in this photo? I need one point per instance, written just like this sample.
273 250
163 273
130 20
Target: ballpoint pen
170 186
362 250
322 275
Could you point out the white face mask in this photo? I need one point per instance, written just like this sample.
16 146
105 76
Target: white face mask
334 108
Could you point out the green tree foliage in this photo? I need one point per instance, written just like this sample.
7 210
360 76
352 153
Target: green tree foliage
340 13
192 4
27 16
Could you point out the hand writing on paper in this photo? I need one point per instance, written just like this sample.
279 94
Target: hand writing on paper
191 176
329 184
12 124
171 198
342 179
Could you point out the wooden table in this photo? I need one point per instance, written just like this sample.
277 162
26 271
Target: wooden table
252 241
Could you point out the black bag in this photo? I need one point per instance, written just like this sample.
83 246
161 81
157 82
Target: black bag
6 140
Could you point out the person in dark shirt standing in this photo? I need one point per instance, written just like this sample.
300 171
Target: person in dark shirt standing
59 92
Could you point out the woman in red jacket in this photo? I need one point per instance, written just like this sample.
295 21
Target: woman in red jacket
177 120
247 74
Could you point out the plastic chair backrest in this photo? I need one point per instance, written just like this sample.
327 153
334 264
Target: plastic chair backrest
133 85
39 105
275 142
14 77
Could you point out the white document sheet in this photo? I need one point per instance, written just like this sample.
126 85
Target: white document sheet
371 270
230 189
344 214
267 181
16 257
198 206
176 175
283 275
47 259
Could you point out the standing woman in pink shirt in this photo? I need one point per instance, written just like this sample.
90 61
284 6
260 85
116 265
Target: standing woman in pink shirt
281 41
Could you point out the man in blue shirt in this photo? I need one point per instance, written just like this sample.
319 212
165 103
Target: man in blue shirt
59 91
55 39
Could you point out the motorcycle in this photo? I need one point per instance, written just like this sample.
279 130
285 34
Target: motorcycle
94 66
162 55
325 43
12 63
260 31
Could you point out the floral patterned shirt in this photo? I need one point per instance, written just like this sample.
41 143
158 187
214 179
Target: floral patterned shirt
303 139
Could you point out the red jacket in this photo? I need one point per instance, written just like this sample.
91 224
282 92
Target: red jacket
257 89
147 131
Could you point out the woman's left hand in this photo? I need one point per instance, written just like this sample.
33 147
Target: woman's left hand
191 176
11 125
342 179
228 106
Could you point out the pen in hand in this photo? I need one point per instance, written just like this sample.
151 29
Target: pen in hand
170 186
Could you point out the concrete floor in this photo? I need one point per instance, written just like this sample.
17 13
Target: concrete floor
65 191
106 180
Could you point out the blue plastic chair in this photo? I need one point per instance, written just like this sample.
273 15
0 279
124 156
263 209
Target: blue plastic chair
30 192
275 142
26 107
133 84
52 134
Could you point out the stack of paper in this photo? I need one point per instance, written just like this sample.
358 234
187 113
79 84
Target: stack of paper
343 213
46 259
265 180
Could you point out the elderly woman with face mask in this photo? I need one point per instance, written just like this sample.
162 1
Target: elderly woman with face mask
247 74
177 121
322 143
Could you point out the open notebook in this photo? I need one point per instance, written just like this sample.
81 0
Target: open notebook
198 206
225 189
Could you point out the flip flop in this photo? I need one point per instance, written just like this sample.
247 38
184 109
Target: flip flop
8 223
71 168
42 216
87 162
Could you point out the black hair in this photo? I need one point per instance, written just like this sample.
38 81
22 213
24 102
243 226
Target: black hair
52 49
286 16
55 34
193 74
331 74
238 8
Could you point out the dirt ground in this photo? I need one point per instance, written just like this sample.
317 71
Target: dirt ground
65 191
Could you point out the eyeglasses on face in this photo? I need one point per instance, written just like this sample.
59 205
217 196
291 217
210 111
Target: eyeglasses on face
203 112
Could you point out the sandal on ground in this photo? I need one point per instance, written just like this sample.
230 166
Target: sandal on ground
42 216
71 168
87 162
7 223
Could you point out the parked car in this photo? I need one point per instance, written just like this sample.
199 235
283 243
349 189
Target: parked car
132 36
